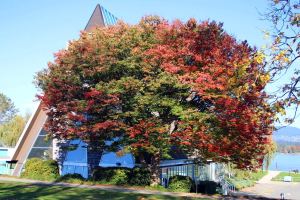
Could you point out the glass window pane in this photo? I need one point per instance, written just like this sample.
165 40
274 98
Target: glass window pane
44 153
79 154
3 152
43 133
110 159
41 141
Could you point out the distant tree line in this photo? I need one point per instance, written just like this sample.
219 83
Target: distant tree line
288 147
11 124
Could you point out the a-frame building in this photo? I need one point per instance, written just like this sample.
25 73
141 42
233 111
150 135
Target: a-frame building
32 141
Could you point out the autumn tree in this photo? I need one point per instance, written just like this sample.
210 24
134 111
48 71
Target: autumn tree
159 85
284 52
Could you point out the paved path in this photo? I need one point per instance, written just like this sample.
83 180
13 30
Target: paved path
272 189
267 178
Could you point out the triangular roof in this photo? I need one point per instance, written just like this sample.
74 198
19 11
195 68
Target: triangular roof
100 18
95 20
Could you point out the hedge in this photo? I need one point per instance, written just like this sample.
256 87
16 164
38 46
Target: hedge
180 184
38 169
122 176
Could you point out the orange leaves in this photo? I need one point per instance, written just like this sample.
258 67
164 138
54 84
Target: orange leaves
169 67
103 126
136 82
201 55
92 93
149 135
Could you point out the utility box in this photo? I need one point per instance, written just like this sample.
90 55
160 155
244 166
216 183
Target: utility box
287 179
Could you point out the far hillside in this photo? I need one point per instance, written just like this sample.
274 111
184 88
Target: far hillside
287 139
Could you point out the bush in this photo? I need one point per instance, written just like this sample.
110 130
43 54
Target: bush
207 187
120 176
38 169
180 184
71 178
112 175
139 176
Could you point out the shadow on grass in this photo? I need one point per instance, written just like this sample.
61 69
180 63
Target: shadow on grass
22 191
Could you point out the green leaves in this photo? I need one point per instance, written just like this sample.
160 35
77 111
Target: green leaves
7 109
157 85
11 130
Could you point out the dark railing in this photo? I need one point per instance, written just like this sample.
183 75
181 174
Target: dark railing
204 172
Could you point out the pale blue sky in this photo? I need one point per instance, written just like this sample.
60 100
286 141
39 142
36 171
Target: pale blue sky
32 30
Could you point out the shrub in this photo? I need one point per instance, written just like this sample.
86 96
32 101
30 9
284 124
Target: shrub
180 184
118 176
38 169
71 178
121 176
139 176
207 187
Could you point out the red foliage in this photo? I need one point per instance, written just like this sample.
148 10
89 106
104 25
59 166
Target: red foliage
148 136
223 71
87 94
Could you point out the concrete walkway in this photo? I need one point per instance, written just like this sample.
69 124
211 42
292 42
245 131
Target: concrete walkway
272 189
267 178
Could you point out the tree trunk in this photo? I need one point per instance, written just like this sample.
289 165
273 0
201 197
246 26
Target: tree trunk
142 159
154 169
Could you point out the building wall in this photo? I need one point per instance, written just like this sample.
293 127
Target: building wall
5 155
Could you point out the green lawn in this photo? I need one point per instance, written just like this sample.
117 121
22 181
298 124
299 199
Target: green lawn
244 178
279 177
19 191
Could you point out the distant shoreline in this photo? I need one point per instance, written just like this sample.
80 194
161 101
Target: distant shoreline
296 154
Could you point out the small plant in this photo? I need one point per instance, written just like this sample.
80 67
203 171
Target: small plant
180 184
121 176
207 187
139 176
118 176
38 169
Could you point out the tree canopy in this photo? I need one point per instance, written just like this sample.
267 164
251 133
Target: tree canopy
11 125
7 109
284 52
156 85
11 130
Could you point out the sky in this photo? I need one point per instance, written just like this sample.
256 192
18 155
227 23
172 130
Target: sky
32 31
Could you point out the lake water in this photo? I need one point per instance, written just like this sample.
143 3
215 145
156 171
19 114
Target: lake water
285 162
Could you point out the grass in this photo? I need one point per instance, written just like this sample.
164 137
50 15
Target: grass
281 175
20 191
244 178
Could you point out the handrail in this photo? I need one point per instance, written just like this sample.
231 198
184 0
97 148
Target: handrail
227 187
